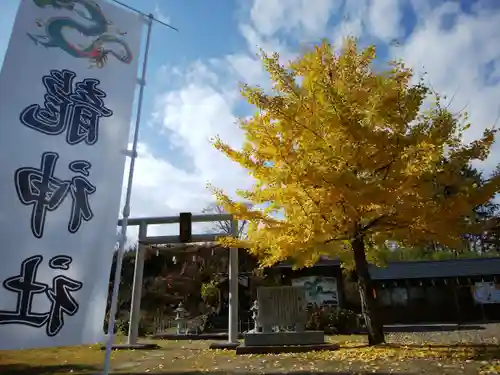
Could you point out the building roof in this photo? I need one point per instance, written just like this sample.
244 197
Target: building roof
436 268
321 263
423 268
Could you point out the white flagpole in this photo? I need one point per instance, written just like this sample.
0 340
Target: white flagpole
126 207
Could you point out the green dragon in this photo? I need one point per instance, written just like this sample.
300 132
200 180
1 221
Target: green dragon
99 28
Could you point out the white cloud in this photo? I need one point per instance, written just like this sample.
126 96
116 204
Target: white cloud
205 104
297 16
456 61
204 107
160 189
248 68
192 116
196 114
153 180
384 19
352 21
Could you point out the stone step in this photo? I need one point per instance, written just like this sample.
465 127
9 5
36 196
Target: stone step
285 338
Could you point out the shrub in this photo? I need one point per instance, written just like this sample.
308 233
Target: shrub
121 327
332 320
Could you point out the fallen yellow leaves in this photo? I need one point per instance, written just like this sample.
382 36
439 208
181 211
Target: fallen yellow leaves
490 368
353 357
383 352
388 352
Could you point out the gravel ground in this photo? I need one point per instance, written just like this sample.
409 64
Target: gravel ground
487 334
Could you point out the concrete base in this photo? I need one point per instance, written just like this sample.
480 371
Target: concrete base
243 349
224 345
285 338
202 336
149 346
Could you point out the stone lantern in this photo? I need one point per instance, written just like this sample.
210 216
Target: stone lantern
180 319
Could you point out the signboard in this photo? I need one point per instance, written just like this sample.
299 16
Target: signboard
486 293
67 89
319 290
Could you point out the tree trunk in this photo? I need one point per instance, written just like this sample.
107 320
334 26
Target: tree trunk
368 303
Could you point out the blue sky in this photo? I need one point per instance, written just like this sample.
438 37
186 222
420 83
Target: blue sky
193 74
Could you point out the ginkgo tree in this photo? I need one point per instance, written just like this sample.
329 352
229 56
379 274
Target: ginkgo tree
347 157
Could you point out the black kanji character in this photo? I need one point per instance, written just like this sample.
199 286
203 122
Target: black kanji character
61 300
60 262
53 117
77 109
40 188
26 287
88 109
87 93
81 188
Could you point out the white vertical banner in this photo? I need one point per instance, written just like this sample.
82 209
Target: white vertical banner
66 95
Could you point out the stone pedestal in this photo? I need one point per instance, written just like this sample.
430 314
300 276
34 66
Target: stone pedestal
283 306
284 338
144 346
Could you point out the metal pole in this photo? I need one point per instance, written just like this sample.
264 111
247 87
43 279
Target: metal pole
126 207
135 310
233 288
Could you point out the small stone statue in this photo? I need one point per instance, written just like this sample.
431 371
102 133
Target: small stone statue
255 316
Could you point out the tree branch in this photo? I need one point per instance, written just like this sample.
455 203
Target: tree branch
336 239
372 223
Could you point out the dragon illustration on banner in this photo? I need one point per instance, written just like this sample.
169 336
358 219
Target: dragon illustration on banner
96 25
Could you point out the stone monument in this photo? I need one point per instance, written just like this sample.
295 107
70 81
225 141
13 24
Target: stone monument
282 306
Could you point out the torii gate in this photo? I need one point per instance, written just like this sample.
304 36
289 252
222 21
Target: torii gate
185 221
